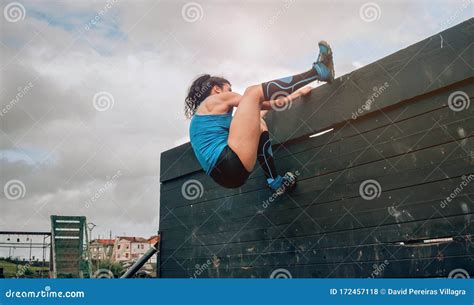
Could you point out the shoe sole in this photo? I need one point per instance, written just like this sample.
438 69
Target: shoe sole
287 190
327 59
292 187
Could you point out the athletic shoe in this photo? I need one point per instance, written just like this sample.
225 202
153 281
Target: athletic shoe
324 73
288 184
325 58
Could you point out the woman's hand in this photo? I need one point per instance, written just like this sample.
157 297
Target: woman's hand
300 92
281 102
305 90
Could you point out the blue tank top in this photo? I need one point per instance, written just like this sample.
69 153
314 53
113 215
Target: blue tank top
208 134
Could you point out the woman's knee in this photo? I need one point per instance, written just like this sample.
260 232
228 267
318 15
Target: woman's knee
255 91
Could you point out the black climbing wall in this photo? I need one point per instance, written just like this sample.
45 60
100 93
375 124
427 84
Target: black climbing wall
371 197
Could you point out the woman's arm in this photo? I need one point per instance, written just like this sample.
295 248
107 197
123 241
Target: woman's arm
281 102
223 102
232 99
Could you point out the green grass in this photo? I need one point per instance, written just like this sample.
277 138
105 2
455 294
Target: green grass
11 269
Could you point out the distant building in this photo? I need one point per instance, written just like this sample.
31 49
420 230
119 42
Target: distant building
101 249
153 240
128 248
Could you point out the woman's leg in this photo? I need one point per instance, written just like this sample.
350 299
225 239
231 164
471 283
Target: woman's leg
245 129
265 153
244 132
322 70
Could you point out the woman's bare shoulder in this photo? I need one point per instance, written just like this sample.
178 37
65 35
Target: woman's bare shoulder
218 103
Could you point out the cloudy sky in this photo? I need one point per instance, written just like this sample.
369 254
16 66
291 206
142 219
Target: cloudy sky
92 91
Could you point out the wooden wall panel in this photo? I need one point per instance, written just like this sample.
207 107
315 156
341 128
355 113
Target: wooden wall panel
412 142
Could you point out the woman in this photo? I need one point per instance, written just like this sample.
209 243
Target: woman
227 146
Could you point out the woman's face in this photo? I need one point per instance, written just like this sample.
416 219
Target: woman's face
225 88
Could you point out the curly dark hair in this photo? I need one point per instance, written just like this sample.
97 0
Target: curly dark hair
199 91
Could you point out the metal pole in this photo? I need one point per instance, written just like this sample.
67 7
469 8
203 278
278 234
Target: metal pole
90 226
158 257
44 254
31 240
140 262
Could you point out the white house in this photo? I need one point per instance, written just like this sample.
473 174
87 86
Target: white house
128 248
101 249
